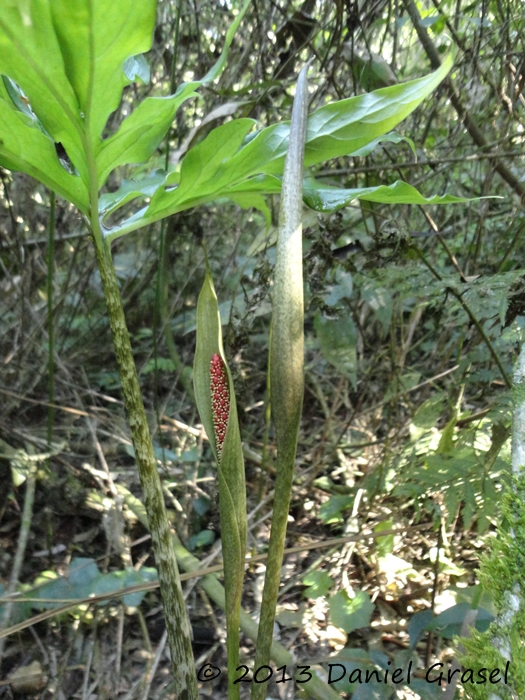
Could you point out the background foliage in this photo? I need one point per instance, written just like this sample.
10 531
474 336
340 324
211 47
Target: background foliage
414 316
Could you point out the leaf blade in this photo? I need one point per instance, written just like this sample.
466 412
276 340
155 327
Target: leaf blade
335 130
25 148
140 134
325 198
30 55
96 38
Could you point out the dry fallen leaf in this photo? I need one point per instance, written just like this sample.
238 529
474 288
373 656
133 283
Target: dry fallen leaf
27 679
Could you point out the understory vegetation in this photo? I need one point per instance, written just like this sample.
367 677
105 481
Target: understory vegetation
414 318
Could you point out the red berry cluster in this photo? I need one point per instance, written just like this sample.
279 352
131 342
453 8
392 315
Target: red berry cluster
220 399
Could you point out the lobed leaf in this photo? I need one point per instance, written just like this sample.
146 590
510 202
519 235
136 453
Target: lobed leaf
96 37
31 55
23 146
131 189
141 132
64 66
326 198
229 161
201 173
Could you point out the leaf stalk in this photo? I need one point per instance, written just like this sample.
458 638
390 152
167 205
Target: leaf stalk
177 624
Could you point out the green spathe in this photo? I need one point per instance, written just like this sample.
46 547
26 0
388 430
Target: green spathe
230 466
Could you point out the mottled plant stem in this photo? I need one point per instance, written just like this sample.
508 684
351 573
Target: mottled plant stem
174 607
177 624
286 364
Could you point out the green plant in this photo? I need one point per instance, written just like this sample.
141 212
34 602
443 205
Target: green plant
64 66
215 396
286 362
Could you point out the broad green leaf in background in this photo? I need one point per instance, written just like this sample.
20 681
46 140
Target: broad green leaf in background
230 466
84 579
332 510
351 613
325 198
384 545
337 340
448 623
429 411
418 625
318 584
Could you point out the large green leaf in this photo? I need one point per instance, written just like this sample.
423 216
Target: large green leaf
325 198
141 133
201 172
65 65
24 146
229 161
96 37
69 61
30 54
337 129
351 613
68 58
